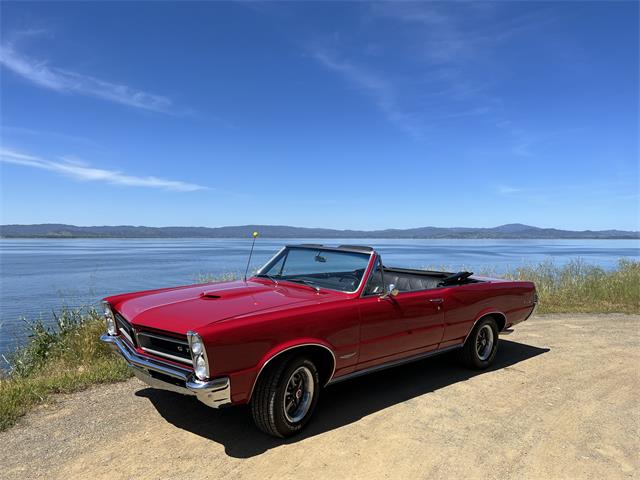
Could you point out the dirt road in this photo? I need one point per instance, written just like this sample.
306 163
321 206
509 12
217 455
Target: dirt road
562 401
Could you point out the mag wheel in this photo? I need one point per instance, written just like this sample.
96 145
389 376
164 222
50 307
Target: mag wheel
484 342
481 345
298 394
285 397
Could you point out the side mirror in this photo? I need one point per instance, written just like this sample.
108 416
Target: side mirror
392 291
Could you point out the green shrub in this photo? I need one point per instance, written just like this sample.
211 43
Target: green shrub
60 359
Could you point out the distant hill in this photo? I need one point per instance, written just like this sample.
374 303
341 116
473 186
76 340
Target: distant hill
510 231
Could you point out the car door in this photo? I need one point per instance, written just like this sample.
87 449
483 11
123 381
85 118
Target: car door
392 328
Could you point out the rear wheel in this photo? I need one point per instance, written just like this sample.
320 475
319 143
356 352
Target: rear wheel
285 397
481 345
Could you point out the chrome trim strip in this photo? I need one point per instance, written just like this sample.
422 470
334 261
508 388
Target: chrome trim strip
480 318
392 364
377 258
124 332
259 271
348 355
291 348
162 337
167 355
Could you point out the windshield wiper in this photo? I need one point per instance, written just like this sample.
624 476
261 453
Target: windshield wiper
306 282
266 275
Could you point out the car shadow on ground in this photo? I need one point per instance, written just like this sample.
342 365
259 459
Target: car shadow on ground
339 405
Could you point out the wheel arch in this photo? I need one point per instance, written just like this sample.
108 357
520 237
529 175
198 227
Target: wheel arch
321 354
497 315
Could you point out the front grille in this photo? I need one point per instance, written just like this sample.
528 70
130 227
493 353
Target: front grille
126 329
156 344
169 347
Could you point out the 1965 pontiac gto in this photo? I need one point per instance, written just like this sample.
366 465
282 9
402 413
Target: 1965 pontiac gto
312 316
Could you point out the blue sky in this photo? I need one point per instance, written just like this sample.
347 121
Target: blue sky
345 115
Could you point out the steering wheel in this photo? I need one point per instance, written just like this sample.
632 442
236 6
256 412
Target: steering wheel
349 276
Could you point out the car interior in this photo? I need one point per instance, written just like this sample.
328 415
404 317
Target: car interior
406 280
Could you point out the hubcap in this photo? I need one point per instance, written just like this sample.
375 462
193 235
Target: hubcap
484 342
298 394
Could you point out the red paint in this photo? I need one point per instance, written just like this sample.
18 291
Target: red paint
244 324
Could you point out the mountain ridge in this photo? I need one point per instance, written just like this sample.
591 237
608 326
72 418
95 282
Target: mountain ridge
507 231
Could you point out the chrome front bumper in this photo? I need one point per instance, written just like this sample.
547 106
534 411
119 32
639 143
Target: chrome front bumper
165 376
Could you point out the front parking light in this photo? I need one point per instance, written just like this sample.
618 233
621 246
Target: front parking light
198 356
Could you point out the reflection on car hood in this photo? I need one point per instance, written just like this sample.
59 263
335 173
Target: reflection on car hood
186 308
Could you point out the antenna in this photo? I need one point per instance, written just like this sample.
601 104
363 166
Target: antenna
255 235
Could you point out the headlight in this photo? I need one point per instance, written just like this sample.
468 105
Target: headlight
196 346
109 319
198 356
201 368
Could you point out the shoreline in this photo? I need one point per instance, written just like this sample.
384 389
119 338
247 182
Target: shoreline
269 237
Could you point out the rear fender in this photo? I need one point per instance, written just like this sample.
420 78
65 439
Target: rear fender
501 319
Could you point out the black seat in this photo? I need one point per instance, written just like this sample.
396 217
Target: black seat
404 282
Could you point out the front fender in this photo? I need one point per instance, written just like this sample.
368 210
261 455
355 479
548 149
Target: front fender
243 383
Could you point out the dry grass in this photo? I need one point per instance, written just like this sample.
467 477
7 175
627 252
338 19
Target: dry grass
580 287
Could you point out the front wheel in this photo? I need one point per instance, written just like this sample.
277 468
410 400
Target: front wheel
285 397
481 346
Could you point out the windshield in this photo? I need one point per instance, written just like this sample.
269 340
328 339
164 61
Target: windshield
318 268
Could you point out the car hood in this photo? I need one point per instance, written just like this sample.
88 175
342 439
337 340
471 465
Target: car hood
182 309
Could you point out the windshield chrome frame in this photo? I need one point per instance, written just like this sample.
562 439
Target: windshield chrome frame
371 254
377 260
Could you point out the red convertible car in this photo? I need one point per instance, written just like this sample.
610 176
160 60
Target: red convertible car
312 316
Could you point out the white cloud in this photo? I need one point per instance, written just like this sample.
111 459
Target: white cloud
447 51
507 190
376 86
65 81
79 170
440 38
458 32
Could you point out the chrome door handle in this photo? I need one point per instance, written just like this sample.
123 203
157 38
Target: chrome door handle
436 300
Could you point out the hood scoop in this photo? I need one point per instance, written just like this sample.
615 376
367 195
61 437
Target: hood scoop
226 293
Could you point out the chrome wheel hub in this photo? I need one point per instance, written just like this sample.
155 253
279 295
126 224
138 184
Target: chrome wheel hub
298 394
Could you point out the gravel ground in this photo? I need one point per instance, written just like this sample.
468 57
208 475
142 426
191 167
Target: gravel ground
562 401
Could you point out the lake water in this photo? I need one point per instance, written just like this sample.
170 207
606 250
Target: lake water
38 276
